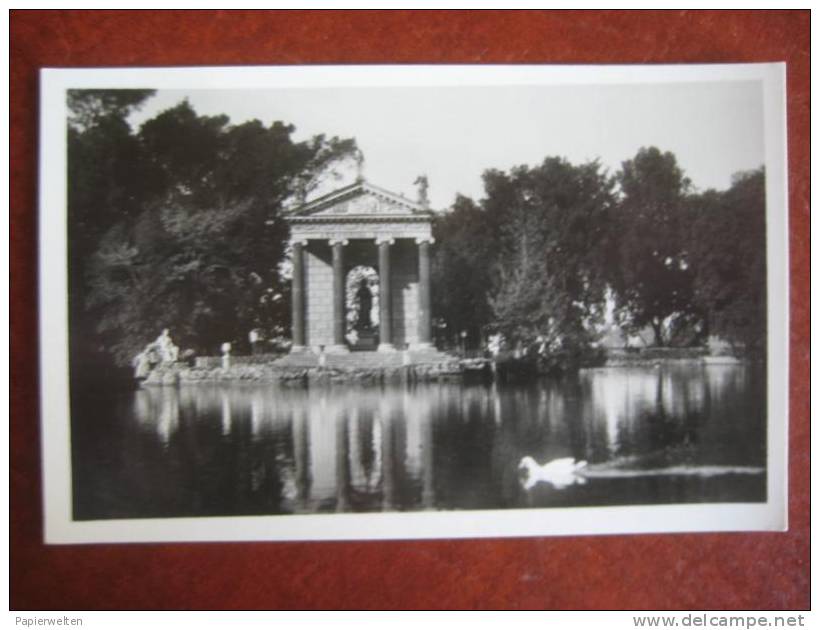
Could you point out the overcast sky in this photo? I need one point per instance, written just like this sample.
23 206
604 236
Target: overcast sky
453 134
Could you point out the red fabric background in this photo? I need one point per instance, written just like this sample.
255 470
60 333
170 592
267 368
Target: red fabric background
754 571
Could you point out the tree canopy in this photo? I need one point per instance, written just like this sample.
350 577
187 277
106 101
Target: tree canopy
462 269
551 248
548 282
649 262
727 237
525 261
179 224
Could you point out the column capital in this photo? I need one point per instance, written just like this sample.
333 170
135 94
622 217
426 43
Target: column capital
425 239
298 241
385 239
338 241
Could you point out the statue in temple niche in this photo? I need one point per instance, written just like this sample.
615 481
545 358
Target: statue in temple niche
365 298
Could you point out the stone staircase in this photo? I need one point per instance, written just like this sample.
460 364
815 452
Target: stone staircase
361 360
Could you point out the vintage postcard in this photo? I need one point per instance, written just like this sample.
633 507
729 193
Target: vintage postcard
298 303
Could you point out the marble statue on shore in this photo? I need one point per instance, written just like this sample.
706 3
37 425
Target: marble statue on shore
257 341
142 364
494 344
161 350
169 353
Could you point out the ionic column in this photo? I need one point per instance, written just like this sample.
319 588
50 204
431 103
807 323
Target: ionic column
339 344
385 295
425 316
298 297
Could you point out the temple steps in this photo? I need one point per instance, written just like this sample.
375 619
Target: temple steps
364 359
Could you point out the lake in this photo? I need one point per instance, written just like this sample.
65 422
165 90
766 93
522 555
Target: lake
652 434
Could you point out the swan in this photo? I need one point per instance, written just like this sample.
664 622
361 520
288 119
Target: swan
566 471
560 473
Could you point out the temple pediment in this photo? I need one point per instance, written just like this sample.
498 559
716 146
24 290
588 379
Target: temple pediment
360 200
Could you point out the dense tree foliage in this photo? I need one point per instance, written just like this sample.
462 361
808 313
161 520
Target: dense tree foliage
546 249
108 180
462 269
179 224
727 238
526 260
548 286
89 108
648 261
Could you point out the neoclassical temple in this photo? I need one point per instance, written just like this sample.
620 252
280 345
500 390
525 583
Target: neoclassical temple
361 226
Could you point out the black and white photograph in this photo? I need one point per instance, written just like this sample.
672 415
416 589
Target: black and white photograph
412 302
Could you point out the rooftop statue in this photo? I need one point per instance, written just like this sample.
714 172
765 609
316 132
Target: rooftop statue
422 185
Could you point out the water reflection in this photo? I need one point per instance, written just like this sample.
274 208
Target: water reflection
202 450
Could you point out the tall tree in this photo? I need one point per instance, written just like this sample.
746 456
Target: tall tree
88 108
648 260
202 251
727 241
462 263
108 181
549 285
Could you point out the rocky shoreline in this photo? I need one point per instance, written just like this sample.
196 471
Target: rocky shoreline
283 372
655 357
302 376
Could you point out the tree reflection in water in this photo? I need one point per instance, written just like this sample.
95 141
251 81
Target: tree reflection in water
243 449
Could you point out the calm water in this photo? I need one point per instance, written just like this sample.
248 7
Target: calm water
245 449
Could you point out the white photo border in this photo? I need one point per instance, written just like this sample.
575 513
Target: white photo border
60 528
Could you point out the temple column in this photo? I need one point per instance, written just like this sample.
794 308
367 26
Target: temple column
425 316
298 297
385 296
339 344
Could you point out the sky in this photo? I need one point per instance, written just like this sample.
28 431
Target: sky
454 134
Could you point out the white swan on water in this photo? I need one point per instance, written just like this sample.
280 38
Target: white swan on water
560 473
566 471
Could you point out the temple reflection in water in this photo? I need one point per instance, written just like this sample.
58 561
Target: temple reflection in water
311 451
244 449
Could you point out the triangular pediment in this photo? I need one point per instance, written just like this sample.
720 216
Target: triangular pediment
360 199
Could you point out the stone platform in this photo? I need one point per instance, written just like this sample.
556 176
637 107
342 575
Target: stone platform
366 360
309 368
